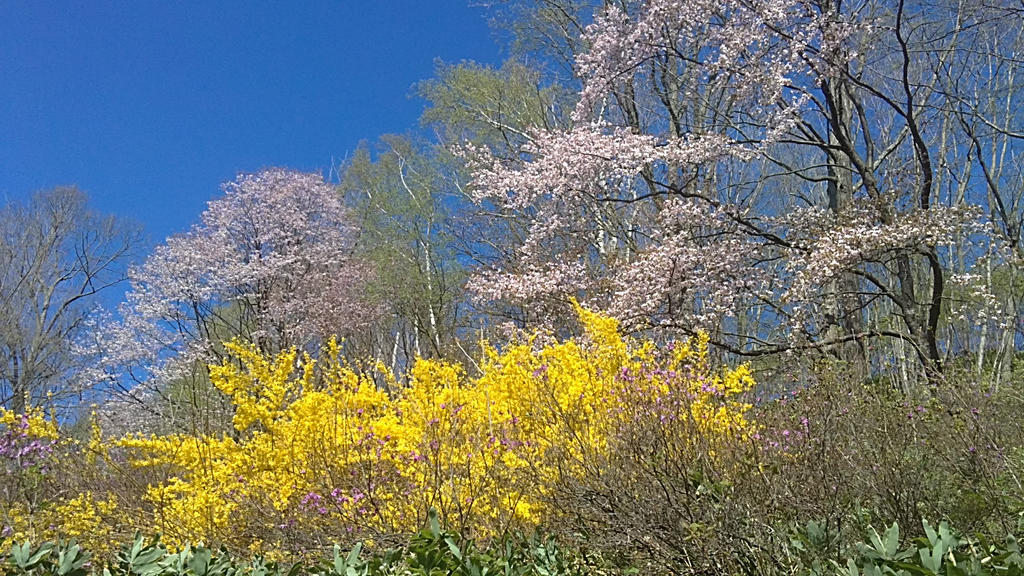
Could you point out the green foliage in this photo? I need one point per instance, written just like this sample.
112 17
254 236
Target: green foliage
937 552
401 194
60 559
141 557
497 107
433 552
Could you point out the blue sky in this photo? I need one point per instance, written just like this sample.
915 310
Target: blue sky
148 106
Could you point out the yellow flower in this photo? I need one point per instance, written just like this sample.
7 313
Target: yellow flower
321 449
88 520
36 424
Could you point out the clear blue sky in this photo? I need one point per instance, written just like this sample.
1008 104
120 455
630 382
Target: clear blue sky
148 106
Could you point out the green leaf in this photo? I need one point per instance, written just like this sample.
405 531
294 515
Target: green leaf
453 547
913 568
435 523
295 570
199 564
20 553
71 560
946 536
31 559
815 534
872 570
892 540
930 532
353 555
932 558
339 563
136 547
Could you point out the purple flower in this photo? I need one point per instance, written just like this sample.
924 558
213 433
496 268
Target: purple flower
311 501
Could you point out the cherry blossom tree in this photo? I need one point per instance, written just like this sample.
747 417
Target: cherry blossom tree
270 261
496 108
778 172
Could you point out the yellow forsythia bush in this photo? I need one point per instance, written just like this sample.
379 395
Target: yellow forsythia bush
321 452
34 503
26 447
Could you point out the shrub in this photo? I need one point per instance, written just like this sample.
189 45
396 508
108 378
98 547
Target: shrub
321 452
430 552
937 552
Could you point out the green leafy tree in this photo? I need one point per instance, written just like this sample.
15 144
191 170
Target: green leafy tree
401 191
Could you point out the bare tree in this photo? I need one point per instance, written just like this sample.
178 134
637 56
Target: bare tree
56 257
